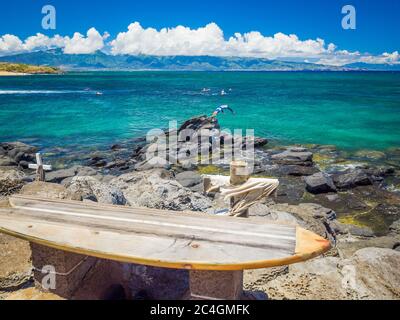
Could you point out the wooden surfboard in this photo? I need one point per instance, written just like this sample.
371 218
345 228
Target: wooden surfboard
181 240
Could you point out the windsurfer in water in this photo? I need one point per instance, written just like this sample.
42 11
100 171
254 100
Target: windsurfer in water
221 109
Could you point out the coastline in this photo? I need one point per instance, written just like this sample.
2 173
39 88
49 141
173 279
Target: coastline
12 74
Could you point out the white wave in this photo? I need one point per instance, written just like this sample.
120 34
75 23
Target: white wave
20 92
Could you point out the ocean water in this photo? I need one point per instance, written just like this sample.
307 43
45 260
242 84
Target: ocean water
350 110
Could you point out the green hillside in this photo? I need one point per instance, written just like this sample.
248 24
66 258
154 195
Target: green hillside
26 68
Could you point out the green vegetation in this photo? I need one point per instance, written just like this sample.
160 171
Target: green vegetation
26 68
210 169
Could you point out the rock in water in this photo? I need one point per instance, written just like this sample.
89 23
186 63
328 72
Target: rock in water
320 183
351 179
17 152
297 171
199 123
293 157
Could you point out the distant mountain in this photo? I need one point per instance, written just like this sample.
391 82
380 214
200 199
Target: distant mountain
101 61
374 67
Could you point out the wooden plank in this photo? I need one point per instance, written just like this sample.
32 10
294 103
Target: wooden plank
157 238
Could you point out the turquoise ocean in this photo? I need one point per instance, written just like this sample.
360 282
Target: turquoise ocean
354 110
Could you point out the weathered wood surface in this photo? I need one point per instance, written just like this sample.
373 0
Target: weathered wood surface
153 237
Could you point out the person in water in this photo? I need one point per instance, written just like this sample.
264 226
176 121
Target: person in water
221 109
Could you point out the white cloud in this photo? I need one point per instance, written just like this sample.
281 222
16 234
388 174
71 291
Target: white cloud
10 43
343 57
93 41
207 40
79 44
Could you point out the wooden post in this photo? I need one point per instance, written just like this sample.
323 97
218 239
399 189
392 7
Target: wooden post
40 168
239 175
221 285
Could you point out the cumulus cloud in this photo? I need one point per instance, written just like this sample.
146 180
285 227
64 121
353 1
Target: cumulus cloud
208 40
343 57
78 44
10 43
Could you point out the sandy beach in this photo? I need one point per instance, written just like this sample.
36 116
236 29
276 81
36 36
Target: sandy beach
8 74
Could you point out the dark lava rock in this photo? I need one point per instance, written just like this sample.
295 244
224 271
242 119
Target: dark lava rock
298 171
351 179
116 164
293 157
199 123
115 147
380 173
7 162
60 175
341 228
12 153
319 183
291 190
256 141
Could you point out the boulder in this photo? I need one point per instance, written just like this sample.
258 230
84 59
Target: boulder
348 245
46 190
154 163
377 273
6 161
262 210
199 123
61 176
15 263
11 180
89 188
291 190
16 152
294 158
298 171
372 273
256 141
14 148
310 216
189 179
157 189
342 228
395 227
320 183
351 179
380 173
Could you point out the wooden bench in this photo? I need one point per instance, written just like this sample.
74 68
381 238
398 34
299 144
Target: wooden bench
69 235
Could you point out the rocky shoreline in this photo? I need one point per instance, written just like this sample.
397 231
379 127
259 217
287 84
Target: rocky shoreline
351 199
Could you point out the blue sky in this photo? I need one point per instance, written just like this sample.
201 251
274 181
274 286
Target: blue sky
378 22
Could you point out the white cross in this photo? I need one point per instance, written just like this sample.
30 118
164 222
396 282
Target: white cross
40 167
